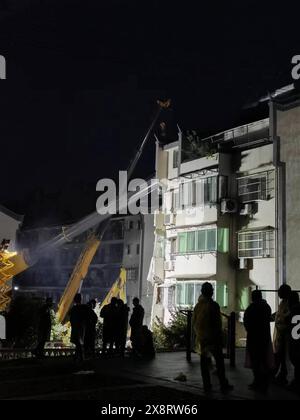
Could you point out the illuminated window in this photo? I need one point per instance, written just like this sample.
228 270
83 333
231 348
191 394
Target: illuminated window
197 241
187 293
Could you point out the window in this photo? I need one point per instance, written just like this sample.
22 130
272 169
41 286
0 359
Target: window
131 274
175 200
254 187
137 249
210 190
173 246
197 241
139 225
175 159
187 293
128 249
130 225
258 244
114 254
197 192
159 295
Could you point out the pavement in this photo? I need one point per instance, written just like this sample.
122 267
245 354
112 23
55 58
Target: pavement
126 379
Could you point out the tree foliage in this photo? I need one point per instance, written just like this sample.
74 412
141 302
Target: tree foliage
172 336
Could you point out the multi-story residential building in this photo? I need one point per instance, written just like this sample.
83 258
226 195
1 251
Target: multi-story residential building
285 126
125 244
218 221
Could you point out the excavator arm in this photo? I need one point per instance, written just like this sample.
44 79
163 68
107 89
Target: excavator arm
79 273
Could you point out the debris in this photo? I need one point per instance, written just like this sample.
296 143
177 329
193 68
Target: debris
181 377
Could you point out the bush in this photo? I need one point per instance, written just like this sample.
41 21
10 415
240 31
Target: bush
60 332
172 336
22 321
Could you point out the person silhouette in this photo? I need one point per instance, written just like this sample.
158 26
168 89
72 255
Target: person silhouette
78 320
146 346
207 324
259 352
109 313
122 327
136 323
44 327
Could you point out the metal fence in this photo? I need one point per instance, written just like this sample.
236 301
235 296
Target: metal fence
230 339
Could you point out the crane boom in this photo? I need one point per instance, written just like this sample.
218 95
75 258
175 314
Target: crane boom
81 269
11 265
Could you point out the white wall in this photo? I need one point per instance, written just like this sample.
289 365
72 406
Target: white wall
8 229
288 129
198 164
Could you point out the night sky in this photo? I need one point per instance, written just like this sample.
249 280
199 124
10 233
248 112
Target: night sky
83 78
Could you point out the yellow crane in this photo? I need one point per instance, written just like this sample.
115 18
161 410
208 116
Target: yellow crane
14 263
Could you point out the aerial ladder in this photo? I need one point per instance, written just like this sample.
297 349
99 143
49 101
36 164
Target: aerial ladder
14 263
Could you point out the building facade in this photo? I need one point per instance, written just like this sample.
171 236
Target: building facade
218 220
285 122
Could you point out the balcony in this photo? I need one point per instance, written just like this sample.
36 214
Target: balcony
195 265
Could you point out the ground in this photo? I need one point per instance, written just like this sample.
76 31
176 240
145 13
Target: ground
123 380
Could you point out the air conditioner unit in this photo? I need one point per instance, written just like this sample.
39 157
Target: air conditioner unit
245 264
229 205
169 265
248 209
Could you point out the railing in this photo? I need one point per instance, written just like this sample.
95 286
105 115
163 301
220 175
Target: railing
12 354
231 336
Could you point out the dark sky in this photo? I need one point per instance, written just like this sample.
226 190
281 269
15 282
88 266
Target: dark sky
83 78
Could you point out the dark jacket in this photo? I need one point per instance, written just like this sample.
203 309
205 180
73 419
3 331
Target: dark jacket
78 320
257 320
137 317
207 324
44 325
109 313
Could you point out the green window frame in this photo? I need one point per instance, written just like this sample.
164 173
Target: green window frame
187 293
204 240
